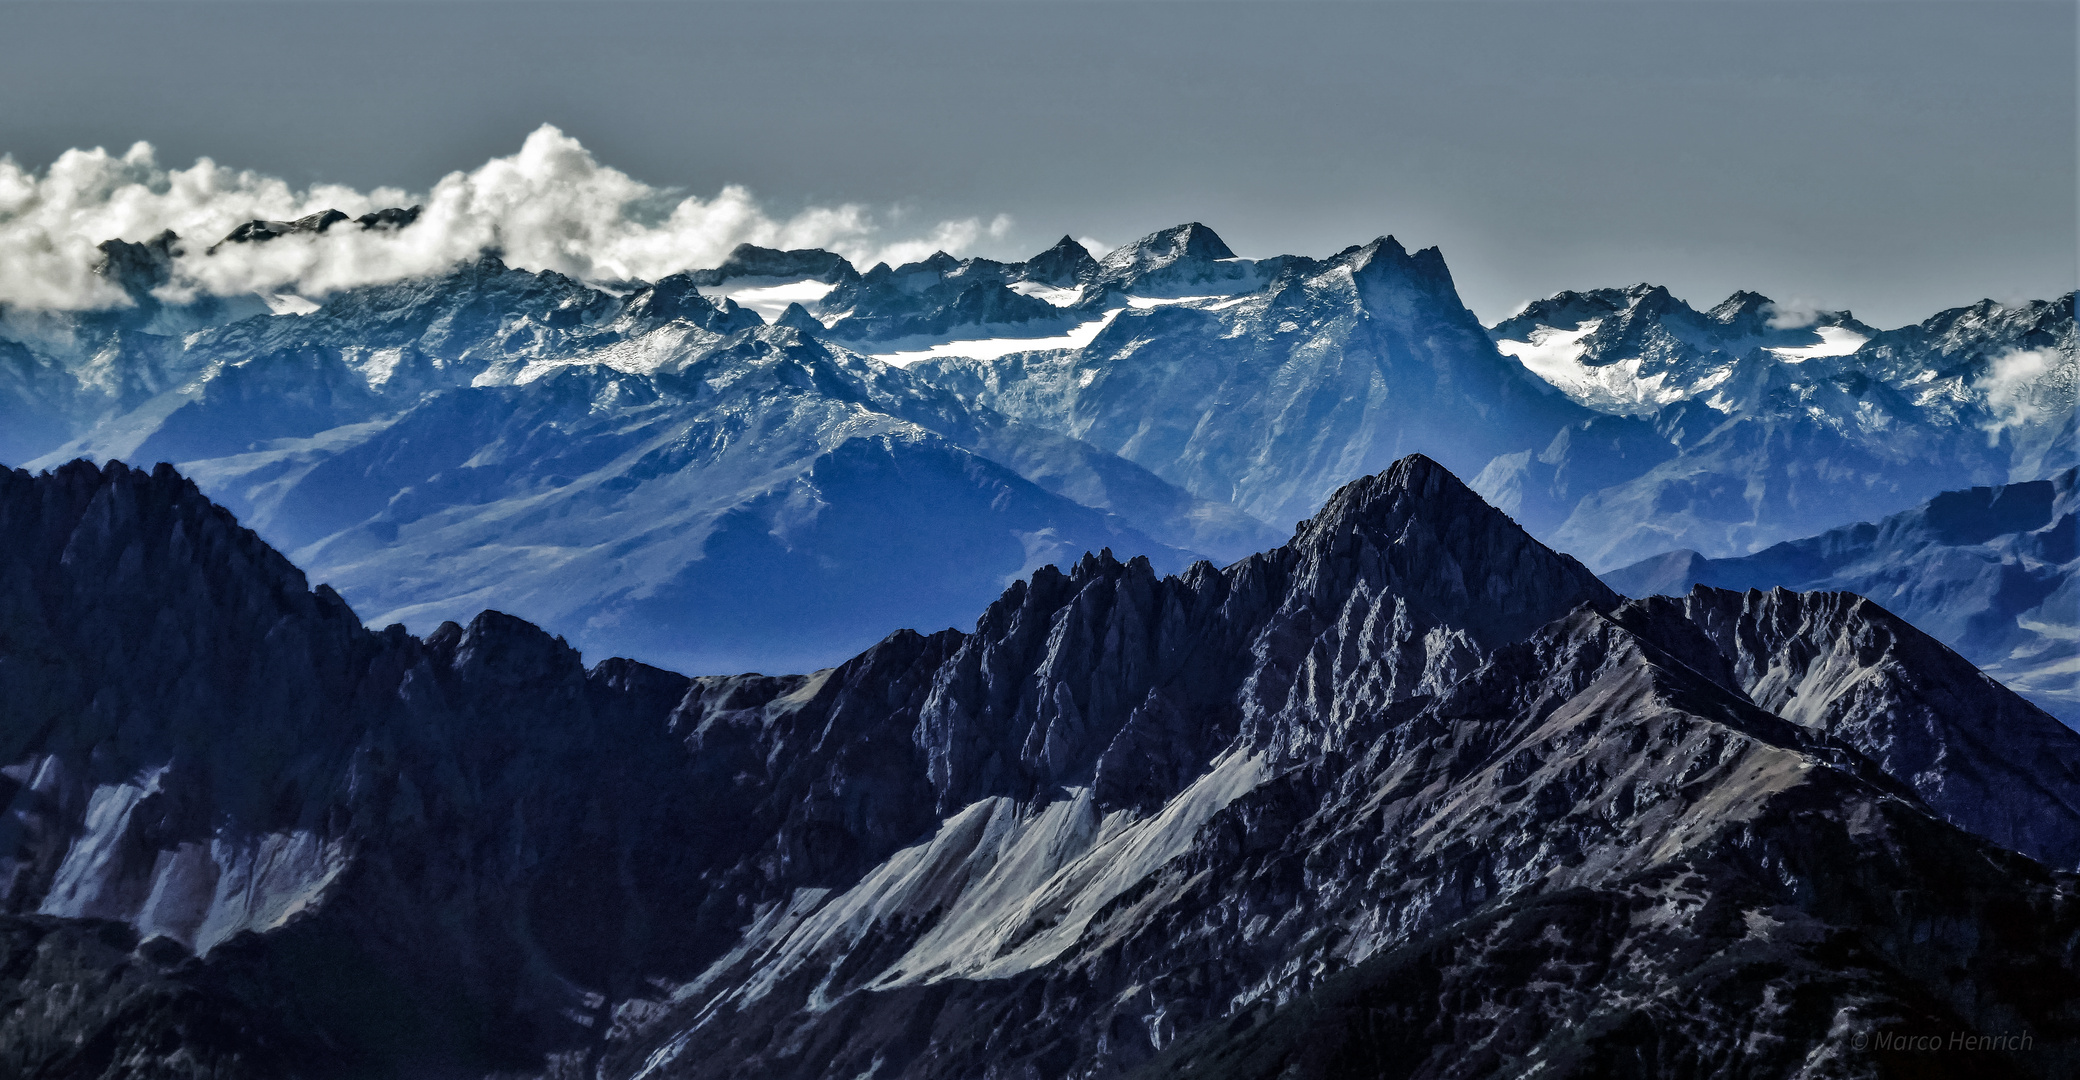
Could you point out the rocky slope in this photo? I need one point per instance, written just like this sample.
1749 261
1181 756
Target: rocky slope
1410 787
1989 571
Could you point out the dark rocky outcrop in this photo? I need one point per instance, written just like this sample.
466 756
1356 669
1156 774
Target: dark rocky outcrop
1410 788
752 261
258 231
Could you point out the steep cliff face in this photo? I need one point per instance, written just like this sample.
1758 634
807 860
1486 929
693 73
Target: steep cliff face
1584 831
420 838
1839 664
1992 572
1410 784
1172 807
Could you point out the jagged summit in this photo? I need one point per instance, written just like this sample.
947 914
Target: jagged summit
260 231
752 261
1187 243
1066 263
138 267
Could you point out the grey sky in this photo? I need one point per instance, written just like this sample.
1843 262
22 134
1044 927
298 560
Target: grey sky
1890 158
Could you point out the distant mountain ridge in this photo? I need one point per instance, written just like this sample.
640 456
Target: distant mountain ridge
1249 821
1992 572
1171 399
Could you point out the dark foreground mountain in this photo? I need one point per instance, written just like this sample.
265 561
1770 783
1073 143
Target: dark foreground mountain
1992 572
1408 795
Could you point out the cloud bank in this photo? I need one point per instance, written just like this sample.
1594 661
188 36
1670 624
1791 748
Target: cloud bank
2024 386
551 206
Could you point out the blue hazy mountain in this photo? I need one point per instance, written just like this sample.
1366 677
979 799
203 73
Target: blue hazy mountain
1992 572
1727 431
705 470
650 472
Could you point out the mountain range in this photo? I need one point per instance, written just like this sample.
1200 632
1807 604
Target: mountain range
764 464
1409 794
1990 571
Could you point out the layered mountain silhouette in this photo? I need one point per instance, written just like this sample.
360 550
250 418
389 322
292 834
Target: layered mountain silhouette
1989 571
763 464
1731 430
1410 794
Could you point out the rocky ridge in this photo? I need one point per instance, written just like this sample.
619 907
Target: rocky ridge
1989 571
1214 821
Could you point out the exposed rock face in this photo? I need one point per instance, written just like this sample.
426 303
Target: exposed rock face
1991 572
203 748
1410 783
1274 822
259 232
752 261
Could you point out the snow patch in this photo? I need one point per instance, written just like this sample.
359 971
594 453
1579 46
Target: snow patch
993 348
1834 341
1053 294
288 304
1160 301
768 297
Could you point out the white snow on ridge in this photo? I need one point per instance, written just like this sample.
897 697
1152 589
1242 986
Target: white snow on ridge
992 348
1053 294
1555 355
288 304
1834 341
1160 301
768 297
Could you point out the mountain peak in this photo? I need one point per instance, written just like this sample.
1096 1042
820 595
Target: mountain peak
1742 309
1190 241
1066 263
1427 536
797 317
259 231
752 261
138 267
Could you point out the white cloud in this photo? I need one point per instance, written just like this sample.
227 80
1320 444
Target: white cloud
551 206
1793 314
2022 387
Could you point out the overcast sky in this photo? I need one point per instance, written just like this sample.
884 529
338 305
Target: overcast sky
1891 158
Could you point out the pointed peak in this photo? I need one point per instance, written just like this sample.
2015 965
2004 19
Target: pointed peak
797 317
1741 306
1163 247
1418 530
1066 263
